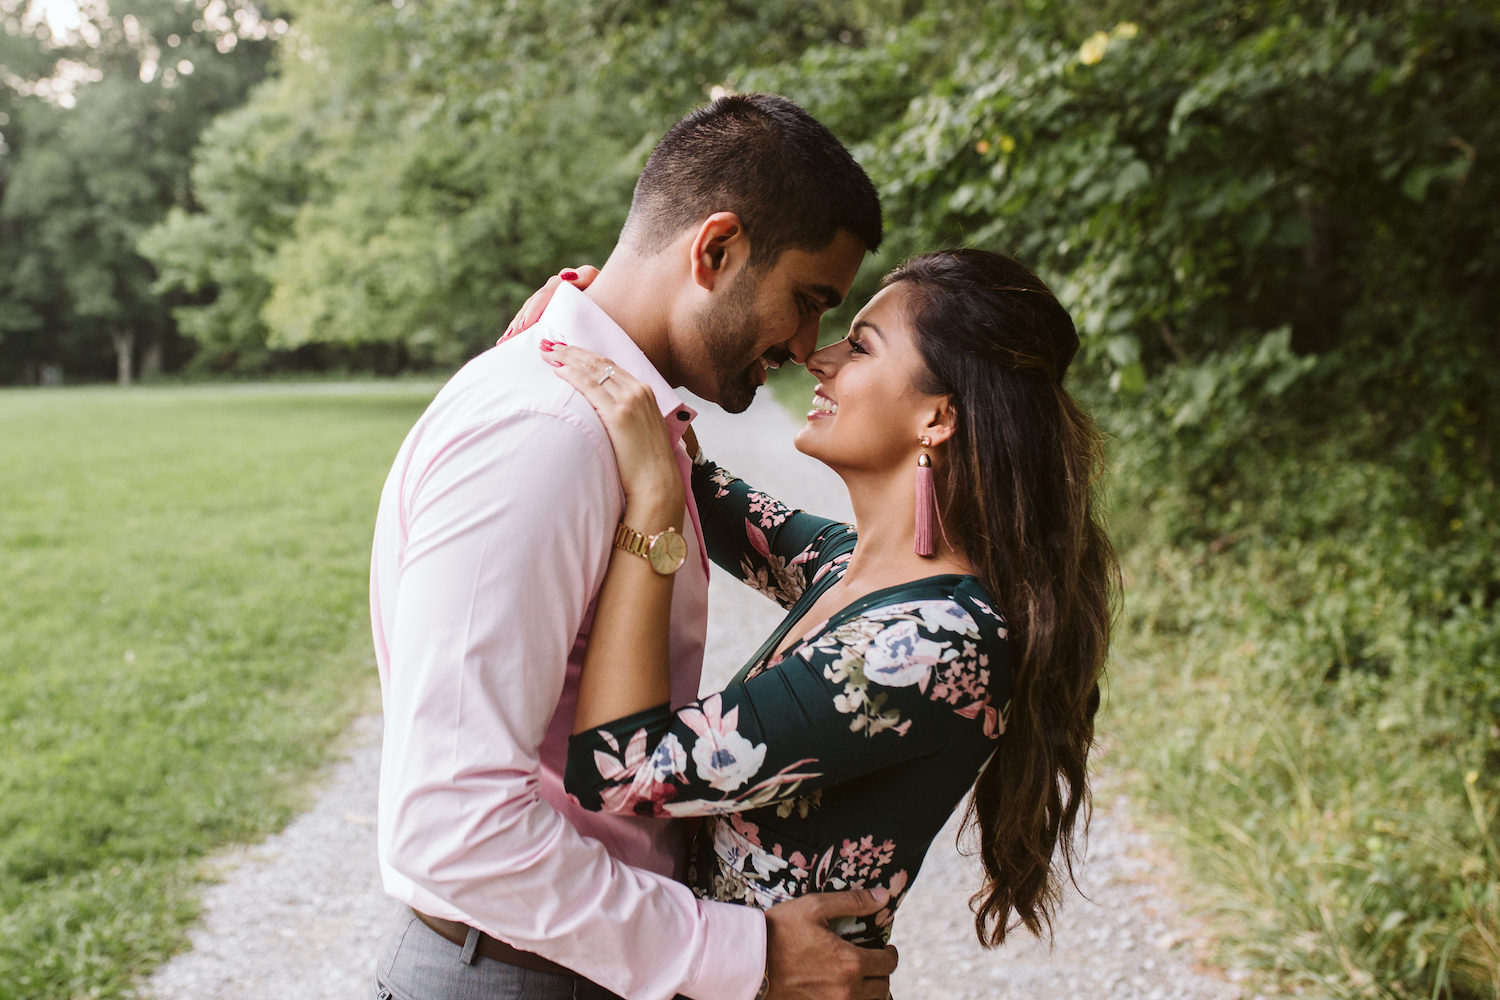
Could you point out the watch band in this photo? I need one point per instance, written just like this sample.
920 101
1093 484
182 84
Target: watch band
632 541
765 987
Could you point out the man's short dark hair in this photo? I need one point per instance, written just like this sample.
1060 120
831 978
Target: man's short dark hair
788 178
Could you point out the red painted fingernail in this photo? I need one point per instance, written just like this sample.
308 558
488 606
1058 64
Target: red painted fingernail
554 364
569 276
546 346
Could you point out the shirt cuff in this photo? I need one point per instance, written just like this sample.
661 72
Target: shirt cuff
734 954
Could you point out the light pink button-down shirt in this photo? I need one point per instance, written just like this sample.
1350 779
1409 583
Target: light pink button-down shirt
494 534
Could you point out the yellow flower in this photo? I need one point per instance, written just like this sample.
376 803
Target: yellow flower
1007 144
1127 29
1092 50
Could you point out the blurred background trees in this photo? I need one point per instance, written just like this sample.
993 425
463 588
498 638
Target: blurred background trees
100 109
414 172
1275 222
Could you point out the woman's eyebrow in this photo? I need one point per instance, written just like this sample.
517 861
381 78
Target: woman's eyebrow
867 325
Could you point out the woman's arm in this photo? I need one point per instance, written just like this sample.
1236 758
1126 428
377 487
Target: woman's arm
758 539
900 682
627 665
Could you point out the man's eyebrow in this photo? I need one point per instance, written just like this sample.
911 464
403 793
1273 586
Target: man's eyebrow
866 324
830 295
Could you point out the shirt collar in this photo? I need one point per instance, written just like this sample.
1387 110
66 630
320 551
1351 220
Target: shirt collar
576 320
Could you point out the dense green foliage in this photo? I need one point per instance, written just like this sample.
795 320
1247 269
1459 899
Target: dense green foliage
99 120
416 171
183 633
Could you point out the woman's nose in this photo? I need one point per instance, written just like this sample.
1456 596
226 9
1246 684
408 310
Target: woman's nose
824 363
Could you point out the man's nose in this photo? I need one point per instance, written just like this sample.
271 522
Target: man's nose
805 341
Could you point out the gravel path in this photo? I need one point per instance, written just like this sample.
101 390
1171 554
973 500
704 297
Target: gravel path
300 916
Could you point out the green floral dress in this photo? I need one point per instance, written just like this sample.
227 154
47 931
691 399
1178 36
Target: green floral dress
836 765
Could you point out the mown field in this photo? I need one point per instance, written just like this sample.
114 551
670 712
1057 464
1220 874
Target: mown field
183 633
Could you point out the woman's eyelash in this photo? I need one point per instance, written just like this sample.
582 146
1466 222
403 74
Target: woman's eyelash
857 347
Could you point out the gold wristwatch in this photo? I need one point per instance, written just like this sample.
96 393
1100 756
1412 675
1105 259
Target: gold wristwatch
665 552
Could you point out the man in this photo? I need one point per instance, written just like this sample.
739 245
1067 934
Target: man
494 533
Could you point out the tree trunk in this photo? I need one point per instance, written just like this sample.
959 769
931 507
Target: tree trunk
151 361
124 345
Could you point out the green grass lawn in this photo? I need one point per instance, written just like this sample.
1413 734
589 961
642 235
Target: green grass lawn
184 629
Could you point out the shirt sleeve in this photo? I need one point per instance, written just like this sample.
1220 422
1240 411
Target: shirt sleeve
506 537
759 540
900 682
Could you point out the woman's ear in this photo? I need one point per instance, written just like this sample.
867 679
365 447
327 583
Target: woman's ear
718 248
942 421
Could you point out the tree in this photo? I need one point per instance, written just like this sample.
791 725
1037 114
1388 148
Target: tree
104 141
447 159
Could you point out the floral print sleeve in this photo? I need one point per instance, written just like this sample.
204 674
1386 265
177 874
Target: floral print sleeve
882 687
757 538
831 767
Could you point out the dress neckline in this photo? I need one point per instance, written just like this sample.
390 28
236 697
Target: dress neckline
853 609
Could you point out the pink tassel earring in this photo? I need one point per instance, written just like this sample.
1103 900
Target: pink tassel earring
927 508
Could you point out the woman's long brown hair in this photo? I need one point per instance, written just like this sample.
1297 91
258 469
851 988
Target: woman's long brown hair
1017 487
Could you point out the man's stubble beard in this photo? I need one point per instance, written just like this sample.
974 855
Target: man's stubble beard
730 333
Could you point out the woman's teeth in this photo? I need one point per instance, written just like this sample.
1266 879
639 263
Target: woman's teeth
824 404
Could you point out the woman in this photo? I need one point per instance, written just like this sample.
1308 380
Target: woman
956 632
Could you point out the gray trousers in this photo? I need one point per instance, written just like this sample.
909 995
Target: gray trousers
417 963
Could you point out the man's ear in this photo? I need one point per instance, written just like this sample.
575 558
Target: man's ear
718 250
942 421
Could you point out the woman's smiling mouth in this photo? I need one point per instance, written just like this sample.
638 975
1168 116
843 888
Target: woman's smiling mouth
822 406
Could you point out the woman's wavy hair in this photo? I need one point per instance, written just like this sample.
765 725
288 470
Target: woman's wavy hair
1016 484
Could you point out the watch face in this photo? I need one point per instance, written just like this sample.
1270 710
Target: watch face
668 553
